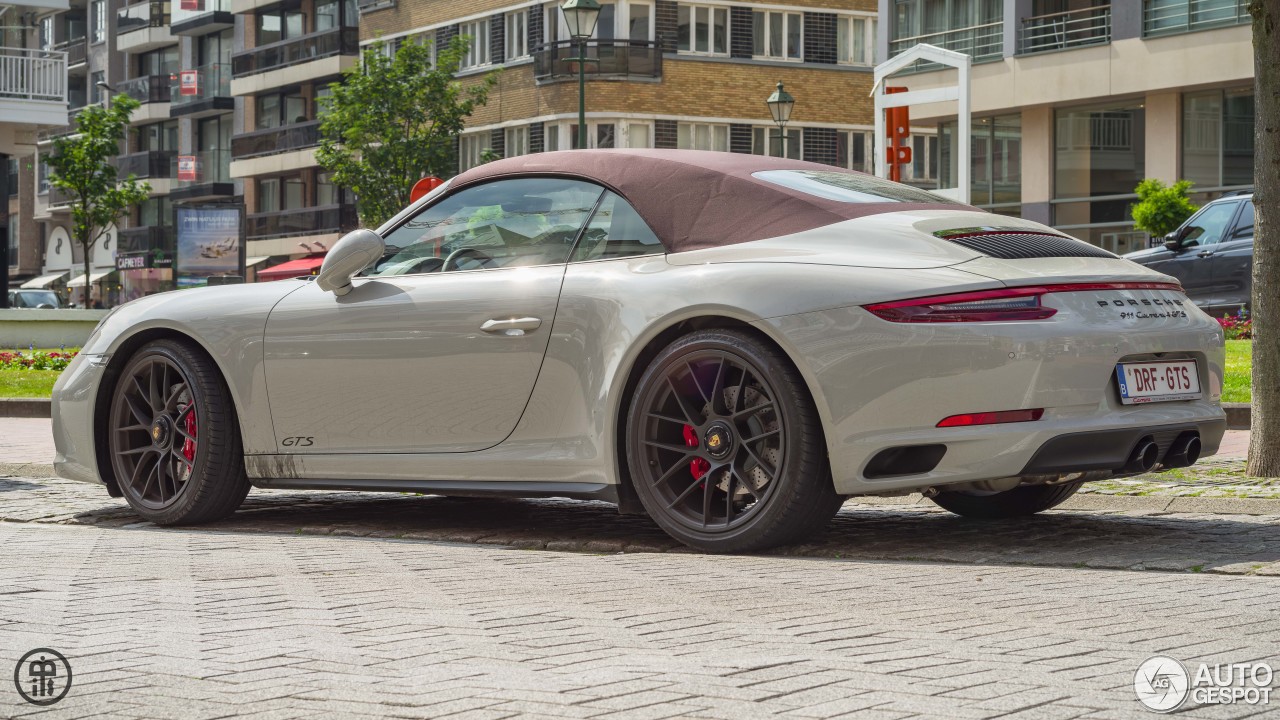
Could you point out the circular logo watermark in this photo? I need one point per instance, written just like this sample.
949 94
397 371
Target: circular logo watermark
43 676
1162 683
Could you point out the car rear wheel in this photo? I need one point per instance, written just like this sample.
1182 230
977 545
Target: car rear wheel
1020 501
725 446
173 437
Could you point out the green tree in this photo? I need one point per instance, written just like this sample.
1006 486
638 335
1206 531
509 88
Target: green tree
393 120
80 165
1264 440
1161 208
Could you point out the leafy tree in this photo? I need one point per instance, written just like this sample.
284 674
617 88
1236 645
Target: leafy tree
80 165
1264 440
393 120
1161 208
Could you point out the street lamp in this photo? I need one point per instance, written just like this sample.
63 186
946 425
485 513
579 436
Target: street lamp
581 16
780 105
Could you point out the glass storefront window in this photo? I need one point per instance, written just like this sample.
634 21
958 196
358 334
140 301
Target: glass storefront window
1217 138
996 176
1099 151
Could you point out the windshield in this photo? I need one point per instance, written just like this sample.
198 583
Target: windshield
35 299
848 187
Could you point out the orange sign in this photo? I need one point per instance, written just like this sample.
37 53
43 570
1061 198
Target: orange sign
189 83
424 186
898 150
187 167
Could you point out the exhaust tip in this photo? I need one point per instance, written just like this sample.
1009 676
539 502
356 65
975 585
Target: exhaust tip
1144 456
1184 451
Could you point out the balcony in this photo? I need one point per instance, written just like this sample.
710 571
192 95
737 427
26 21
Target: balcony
159 164
981 42
202 91
143 27
286 53
615 60
1173 17
33 87
322 220
147 89
1065 30
77 51
203 176
276 140
201 17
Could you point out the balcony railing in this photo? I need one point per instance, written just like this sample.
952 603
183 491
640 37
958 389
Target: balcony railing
142 16
317 45
1059 31
148 164
146 239
1170 17
77 50
981 42
184 10
33 75
276 140
321 220
613 58
202 83
147 89
208 166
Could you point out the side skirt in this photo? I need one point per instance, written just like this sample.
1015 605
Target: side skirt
573 491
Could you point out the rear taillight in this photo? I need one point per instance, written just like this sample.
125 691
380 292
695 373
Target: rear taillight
1002 305
992 418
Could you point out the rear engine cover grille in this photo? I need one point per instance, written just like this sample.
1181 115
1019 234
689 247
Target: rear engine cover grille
1027 245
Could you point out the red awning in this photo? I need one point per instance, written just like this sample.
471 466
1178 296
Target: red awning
292 269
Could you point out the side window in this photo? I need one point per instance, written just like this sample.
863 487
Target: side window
507 223
1244 226
1209 225
616 230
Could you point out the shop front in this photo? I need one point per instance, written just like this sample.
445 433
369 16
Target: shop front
143 273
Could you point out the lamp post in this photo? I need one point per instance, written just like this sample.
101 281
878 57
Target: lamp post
780 105
581 17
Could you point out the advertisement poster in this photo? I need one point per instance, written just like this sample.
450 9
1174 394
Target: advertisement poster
189 82
209 243
187 168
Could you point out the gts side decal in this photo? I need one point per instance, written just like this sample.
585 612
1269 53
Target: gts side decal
298 441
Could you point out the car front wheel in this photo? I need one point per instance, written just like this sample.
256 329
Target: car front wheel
725 446
173 437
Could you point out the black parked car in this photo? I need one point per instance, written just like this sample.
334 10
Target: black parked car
1212 254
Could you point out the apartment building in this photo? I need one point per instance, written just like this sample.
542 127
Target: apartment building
667 74
1076 101
33 97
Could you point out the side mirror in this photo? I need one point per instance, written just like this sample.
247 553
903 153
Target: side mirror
1171 242
353 253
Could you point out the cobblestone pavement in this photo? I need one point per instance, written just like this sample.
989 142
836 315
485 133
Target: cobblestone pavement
189 624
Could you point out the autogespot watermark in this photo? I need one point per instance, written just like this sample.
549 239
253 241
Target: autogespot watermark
42 676
1164 684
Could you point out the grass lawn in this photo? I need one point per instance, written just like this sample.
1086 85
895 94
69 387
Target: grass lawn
27 383
1235 387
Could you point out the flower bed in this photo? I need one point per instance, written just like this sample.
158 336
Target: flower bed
1238 326
35 360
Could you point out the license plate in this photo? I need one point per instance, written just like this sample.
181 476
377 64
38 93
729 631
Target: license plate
1147 382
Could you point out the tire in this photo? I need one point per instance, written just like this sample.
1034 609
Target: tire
725 447
1018 502
173 437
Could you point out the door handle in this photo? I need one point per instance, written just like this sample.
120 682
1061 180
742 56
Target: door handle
511 326
1206 253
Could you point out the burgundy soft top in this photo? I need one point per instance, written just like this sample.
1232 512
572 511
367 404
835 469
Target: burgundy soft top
694 199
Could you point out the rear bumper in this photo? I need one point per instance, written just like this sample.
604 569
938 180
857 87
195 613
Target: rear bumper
1111 449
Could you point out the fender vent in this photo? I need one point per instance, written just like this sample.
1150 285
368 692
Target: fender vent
1026 245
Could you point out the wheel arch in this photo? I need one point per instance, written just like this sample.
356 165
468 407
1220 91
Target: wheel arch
663 334
123 351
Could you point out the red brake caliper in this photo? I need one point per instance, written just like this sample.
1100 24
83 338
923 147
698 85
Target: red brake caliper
699 466
189 445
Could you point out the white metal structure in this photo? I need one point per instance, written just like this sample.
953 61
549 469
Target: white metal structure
958 92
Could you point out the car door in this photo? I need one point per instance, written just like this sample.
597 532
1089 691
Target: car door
1232 262
1191 262
438 347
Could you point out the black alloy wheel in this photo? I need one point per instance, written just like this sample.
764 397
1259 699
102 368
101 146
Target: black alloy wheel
725 447
172 436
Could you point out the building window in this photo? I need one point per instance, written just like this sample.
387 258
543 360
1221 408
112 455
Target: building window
700 136
1217 137
600 135
470 147
98 14
1099 153
46 33
277 25
158 62
278 109
853 150
517 35
158 137
703 30
516 140
855 40
332 14
777 35
767 141
281 193
478 52
327 193
995 181
639 135
973 27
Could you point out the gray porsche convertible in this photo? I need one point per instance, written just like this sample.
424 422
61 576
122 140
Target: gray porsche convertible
731 344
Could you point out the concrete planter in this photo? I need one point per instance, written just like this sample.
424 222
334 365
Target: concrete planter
22 329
